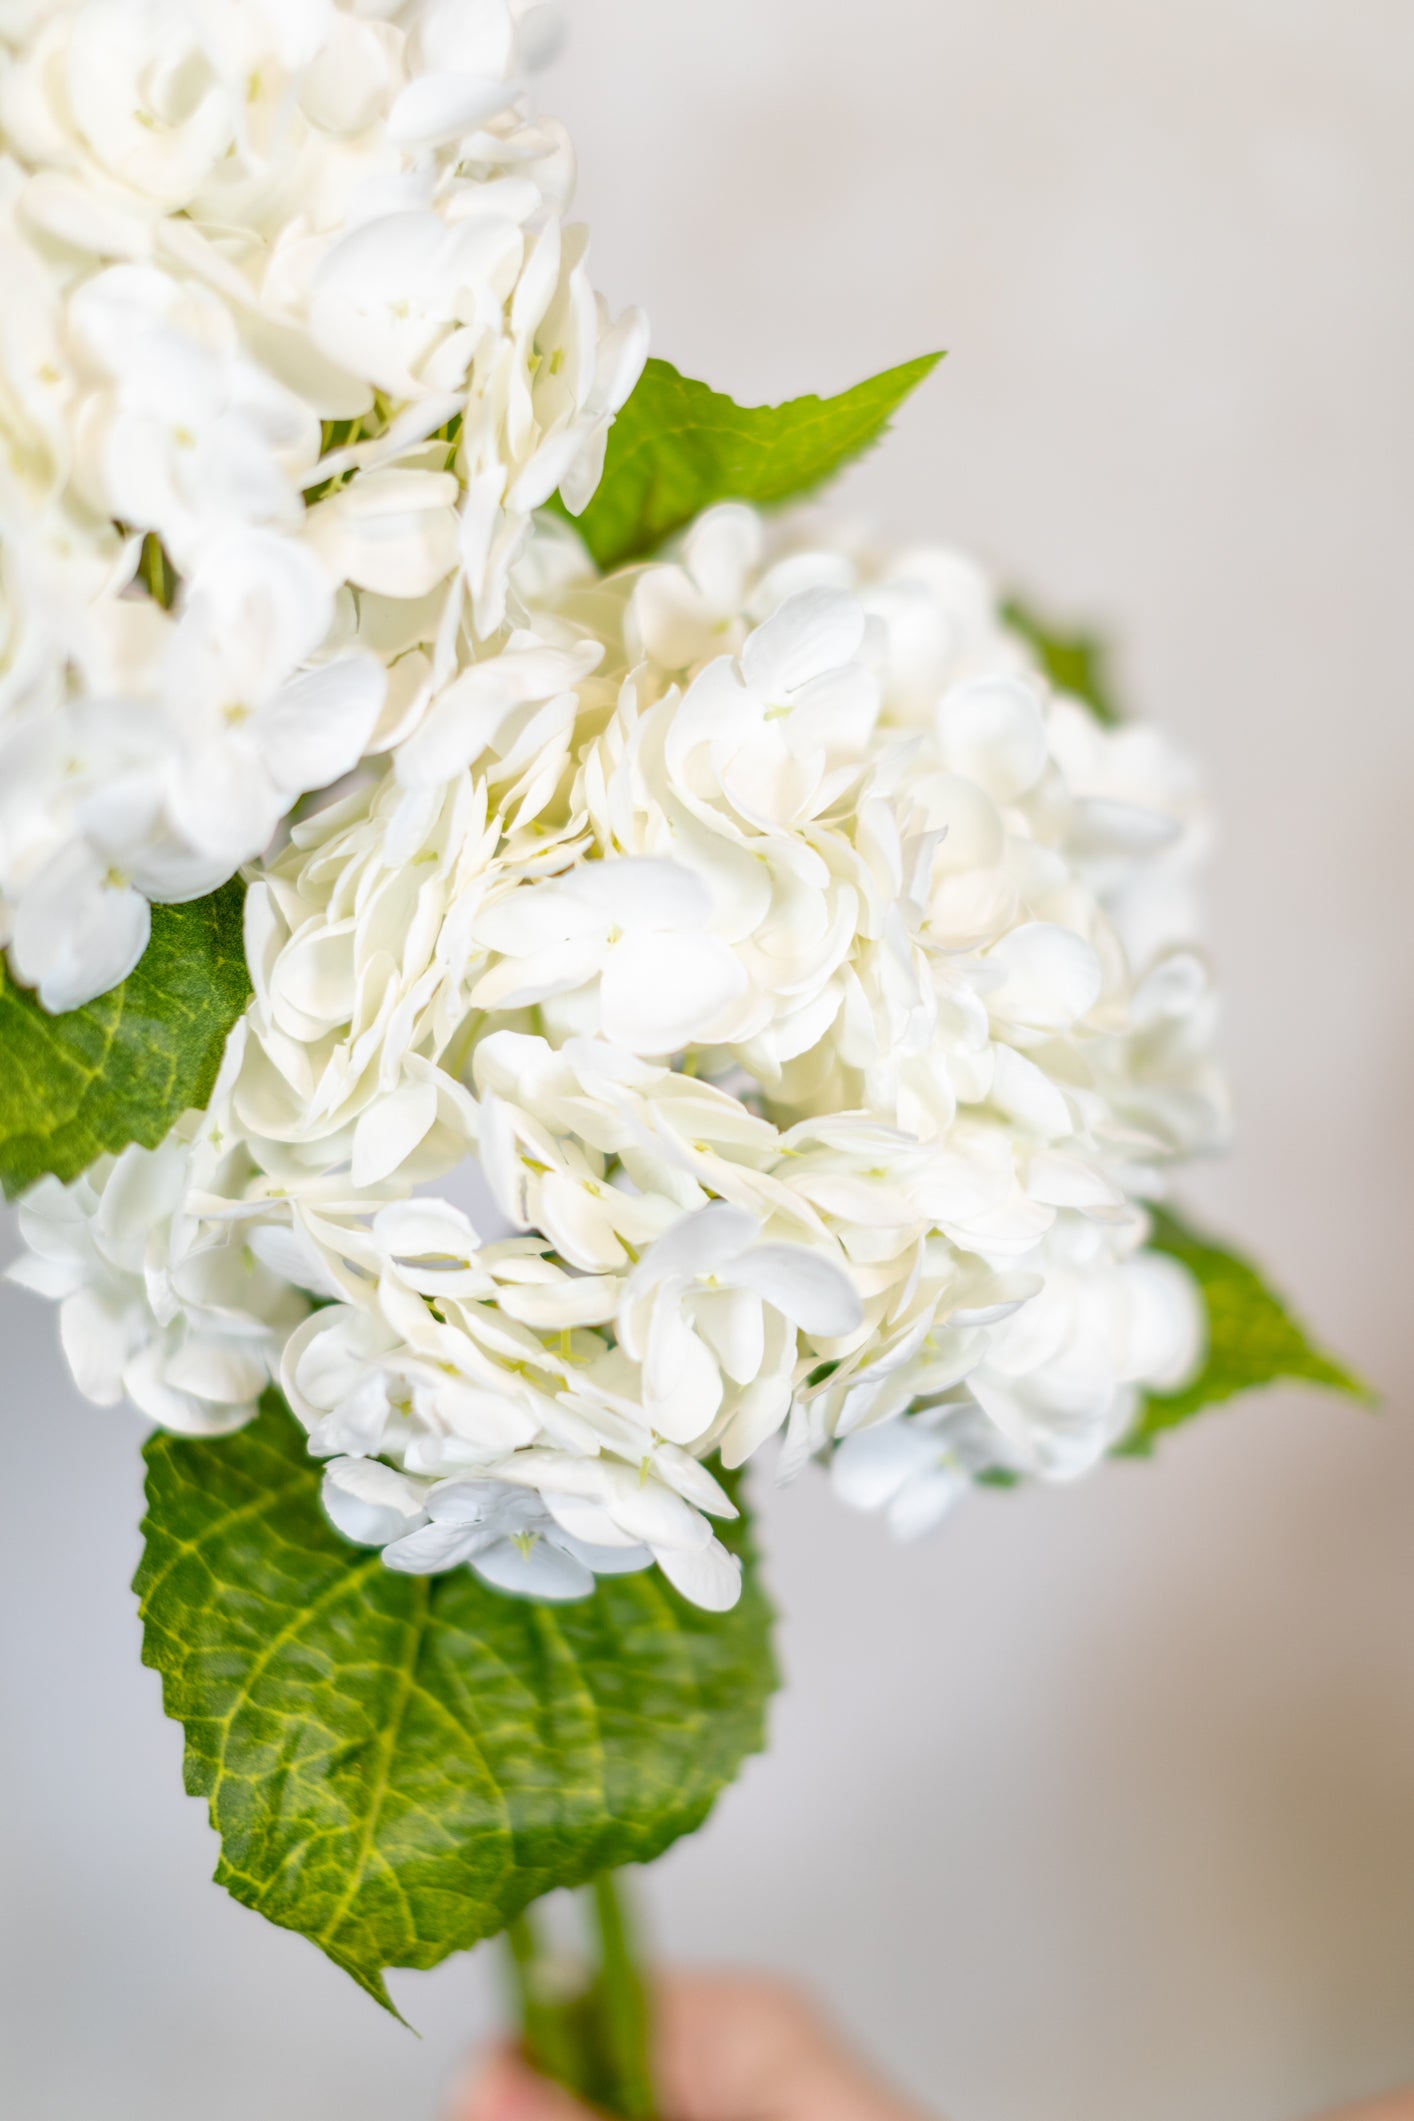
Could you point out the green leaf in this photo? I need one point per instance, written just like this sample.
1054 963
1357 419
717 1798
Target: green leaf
678 447
124 1067
1253 1339
397 1765
1077 663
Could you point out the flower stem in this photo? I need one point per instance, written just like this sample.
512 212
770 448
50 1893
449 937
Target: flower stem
622 2006
594 2038
549 2033
157 573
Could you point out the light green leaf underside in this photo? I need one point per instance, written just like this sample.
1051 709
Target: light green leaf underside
1253 1339
678 447
124 1067
1076 662
396 1765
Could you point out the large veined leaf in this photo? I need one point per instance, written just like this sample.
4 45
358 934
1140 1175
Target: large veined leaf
397 1765
124 1067
1253 1339
678 447
1075 661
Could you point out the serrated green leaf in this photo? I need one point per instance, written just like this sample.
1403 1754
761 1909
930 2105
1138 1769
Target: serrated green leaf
1075 662
124 1067
678 447
397 1765
1253 1339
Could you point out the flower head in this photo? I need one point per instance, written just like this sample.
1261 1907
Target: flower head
293 321
729 1002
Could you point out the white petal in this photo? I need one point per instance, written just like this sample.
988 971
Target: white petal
467 716
431 1548
371 1503
224 801
1064 1181
79 930
682 1385
390 1129
394 532
613 1560
660 992
926 1501
676 625
590 1524
809 1289
559 1306
691 1479
477 1502
356 1424
1026 1094
1053 976
344 88
534 919
646 1510
318 726
425 1229
721 549
143 1188
222 1371
869 1469
257 607
812 632
441 107
96 1336
763 1407
709 1576
992 732
289 1254
453 37
46 1277
539 1569
731 1323
640 892
1167 1323
577 1223
146 1384
1104 827
313 981
487 1423
694 1244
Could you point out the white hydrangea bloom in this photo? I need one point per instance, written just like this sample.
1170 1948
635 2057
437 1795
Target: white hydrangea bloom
745 1003
297 335
180 1312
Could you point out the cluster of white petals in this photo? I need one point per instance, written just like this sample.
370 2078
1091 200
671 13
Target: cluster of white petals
746 1004
730 1002
184 1317
294 338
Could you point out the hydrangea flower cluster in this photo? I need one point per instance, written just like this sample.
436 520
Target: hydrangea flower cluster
295 340
746 1003
728 1002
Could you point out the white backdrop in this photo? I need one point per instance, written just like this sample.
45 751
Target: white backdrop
1101 1805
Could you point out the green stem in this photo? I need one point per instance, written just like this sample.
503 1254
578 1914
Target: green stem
623 2007
549 2033
157 572
594 2041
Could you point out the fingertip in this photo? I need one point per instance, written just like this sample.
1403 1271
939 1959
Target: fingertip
506 2089
736 2043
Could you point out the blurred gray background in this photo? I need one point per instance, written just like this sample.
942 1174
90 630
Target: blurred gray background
1100 1806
